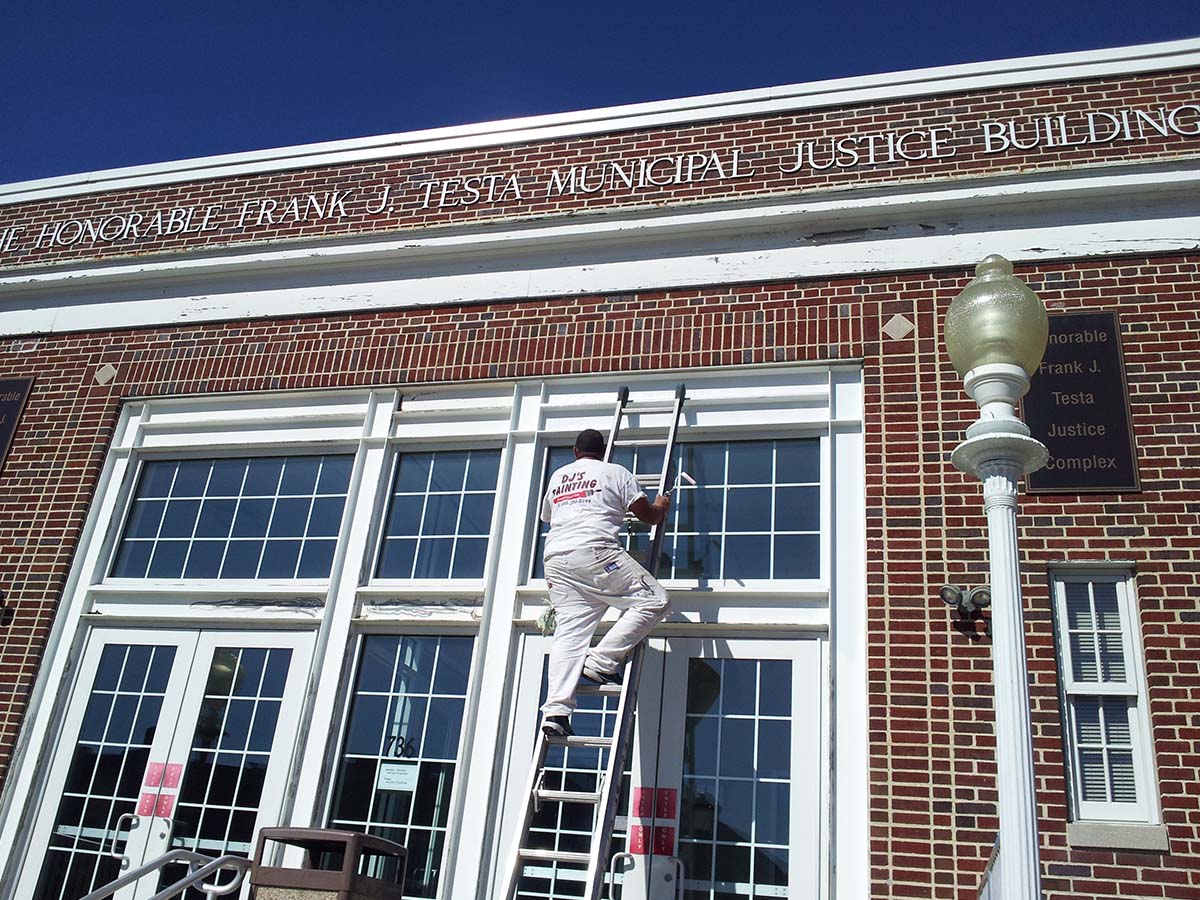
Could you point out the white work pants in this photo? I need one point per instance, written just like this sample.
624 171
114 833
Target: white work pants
583 584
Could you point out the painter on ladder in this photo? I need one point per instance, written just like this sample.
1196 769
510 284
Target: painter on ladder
588 571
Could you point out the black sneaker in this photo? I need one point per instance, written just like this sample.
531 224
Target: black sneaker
557 726
595 676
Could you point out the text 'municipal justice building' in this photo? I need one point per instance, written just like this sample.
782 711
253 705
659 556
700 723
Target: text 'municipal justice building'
275 427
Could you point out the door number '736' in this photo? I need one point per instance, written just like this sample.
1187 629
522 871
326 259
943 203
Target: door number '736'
400 746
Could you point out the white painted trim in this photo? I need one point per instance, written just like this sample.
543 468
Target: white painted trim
761 101
1103 211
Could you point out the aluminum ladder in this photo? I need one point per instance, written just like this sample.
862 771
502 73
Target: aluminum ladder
609 785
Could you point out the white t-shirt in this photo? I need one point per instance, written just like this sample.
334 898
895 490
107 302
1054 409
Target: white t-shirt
585 504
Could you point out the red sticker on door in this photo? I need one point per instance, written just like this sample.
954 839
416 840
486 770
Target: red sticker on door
146 804
166 803
665 807
643 803
664 840
638 843
154 774
172 775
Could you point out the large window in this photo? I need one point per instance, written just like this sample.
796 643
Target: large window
440 514
397 766
241 517
754 511
1107 732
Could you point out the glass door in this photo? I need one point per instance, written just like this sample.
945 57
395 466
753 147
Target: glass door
725 786
739 791
171 739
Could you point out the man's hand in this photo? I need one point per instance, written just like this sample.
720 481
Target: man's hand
662 503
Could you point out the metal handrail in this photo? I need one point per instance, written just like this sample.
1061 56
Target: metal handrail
207 866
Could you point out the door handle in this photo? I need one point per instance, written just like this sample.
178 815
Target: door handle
678 864
112 848
612 871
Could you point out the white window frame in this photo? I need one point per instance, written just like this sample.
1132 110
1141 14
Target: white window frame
1146 810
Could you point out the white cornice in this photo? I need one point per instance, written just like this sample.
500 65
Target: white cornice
837 92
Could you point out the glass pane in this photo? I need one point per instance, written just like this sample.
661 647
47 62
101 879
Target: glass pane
291 518
216 518
168 559
1083 656
748 509
241 559
798 556
449 471
798 509
433 558
483 471
156 479
227 477
441 514
300 475
191 478
476 514
1079 605
747 556
469 557
798 462
406 514
335 474
179 520
397 558
145 518
751 462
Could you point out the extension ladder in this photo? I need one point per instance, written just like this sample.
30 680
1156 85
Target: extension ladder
609 784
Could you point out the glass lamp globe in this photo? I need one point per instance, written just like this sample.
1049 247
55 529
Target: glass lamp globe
996 319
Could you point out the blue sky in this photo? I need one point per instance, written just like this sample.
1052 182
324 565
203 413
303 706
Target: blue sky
97 85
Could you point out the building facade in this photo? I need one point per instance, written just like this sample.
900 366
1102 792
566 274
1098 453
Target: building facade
280 421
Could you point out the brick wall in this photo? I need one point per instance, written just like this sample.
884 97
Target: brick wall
933 797
768 142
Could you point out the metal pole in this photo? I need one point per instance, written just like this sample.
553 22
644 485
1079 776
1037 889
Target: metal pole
1018 862
998 451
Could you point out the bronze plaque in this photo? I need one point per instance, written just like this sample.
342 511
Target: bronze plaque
13 394
1078 406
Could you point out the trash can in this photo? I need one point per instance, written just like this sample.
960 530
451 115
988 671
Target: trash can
333 869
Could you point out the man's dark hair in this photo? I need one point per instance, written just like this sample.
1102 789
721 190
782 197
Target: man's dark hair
590 441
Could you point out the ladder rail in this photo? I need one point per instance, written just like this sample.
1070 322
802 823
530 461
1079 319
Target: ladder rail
620 743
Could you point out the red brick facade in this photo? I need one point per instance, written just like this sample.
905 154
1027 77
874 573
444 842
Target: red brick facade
932 794
932 778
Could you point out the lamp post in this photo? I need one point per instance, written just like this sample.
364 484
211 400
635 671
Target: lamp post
996 332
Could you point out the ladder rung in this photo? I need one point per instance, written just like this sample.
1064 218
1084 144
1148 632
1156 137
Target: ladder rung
641 442
580 740
556 856
648 408
586 687
568 796
651 480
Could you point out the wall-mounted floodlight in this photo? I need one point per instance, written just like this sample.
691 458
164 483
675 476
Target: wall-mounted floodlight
966 600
